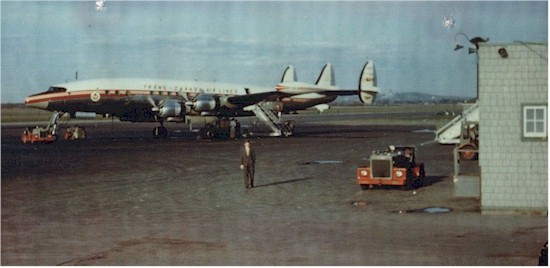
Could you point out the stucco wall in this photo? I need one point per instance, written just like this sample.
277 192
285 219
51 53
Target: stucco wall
514 171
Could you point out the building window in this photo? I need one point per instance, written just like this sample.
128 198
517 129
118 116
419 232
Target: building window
534 121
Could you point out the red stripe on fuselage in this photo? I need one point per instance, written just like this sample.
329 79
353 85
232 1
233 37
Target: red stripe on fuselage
81 95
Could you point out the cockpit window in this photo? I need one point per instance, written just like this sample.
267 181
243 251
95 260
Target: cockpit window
56 89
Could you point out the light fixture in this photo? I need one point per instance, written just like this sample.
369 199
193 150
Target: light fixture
503 53
474 41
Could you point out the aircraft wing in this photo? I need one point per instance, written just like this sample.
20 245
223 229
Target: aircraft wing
251 99
339 92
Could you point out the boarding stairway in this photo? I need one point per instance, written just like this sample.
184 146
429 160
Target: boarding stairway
266 111
52 125
450 132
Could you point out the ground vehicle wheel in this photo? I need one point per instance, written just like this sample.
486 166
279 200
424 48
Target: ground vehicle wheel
409 184
83 133
364 187
24 138
468 156
419 183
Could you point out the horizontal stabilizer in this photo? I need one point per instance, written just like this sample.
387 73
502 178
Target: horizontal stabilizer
289 75
327 76
367 84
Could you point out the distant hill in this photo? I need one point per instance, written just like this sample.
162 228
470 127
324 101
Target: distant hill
12 105
403 97
415 97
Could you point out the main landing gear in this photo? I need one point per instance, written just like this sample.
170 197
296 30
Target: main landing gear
160 131
223 129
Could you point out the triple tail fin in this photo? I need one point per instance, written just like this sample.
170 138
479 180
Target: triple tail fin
367 84
289 75
327 76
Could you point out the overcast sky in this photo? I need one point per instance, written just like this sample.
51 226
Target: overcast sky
45 43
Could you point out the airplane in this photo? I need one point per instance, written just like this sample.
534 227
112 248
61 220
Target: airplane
156 100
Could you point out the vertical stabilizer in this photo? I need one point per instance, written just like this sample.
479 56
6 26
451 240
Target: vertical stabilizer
367 84
289 75
327 76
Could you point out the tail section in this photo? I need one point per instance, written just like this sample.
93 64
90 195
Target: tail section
367 84
289 75
327 76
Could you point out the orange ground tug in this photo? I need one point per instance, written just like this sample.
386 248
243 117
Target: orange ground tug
395 166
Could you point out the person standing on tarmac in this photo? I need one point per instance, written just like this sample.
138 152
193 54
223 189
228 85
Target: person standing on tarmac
248 161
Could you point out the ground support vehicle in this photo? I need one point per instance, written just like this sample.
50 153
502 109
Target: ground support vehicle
38 134
395 166
469 141
42 134
221 129
75 133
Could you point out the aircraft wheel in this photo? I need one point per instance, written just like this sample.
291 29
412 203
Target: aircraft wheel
208 132
160 132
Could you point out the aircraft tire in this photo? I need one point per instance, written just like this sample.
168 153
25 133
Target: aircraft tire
160 132
208 132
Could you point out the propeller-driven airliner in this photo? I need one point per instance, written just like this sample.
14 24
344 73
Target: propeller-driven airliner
156 100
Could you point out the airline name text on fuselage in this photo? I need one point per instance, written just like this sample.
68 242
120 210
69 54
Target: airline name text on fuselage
230 91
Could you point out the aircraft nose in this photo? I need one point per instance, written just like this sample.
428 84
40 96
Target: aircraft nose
36 103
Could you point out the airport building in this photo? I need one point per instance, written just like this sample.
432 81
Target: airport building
513 123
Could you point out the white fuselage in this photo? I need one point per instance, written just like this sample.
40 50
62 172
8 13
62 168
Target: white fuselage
129 98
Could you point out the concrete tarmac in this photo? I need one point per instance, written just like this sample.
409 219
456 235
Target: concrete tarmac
122 197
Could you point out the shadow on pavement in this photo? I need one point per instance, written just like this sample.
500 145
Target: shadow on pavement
432 180
283 182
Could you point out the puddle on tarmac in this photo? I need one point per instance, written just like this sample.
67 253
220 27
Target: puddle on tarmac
320 162
431 210
438 210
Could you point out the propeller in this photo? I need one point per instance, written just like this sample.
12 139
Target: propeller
166 107
155 106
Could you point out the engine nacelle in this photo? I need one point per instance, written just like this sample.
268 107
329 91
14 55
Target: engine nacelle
204 103
224 102
171 108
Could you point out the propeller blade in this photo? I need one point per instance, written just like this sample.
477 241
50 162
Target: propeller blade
151 101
